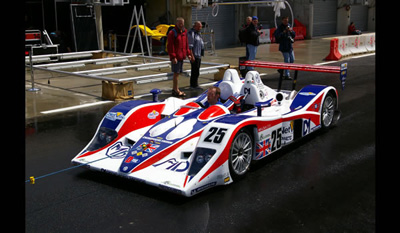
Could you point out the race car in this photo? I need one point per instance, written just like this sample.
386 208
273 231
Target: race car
180 146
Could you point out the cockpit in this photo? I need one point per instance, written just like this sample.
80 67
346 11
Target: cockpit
240 95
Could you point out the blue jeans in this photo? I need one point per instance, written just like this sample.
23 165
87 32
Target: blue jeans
288 57
252 53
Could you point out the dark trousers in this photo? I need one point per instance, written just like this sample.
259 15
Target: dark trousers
195 72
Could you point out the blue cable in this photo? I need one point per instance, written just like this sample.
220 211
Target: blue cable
32 178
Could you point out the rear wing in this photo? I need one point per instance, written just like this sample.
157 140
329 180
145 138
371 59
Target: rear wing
341 70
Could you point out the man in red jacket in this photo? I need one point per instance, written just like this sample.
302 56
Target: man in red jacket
178 50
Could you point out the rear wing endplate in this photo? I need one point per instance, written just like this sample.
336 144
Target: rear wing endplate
341 70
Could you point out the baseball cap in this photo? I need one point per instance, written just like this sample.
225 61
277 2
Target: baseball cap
254 18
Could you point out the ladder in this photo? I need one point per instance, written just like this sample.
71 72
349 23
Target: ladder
137 16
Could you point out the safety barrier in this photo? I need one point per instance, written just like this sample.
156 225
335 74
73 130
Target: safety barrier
348 45
334 50
370 42
300 33
343 42
267 35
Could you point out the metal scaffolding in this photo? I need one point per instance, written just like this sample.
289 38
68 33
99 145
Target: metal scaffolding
102 73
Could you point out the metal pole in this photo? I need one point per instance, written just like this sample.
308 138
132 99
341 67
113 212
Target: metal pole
32 89
248 2
129 31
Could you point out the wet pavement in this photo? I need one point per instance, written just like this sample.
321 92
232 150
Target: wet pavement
323 183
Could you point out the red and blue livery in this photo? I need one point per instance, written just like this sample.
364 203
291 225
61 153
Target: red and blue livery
180 146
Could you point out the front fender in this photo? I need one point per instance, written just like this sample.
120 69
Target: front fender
218 136
123 119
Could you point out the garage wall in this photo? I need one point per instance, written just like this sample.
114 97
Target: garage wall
223 24
359 15
325 15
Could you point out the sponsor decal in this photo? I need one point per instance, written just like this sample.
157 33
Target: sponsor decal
148 147
307 93
117 151
157 140
202 188
309 126
113 116
287 132
174 165
153 114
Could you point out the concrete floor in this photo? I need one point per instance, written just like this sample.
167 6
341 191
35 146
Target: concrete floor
60 91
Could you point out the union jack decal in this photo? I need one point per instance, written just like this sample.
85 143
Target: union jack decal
263 148
149 147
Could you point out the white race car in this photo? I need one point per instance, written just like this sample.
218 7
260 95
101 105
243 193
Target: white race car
182 147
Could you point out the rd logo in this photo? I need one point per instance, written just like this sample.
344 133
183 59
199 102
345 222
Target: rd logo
117 151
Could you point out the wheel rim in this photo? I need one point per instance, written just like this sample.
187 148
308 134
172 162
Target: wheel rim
328 111
241 152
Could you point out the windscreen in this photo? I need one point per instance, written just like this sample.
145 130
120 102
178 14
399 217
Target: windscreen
103 137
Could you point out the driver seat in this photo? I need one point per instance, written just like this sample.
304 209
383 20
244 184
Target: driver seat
231 84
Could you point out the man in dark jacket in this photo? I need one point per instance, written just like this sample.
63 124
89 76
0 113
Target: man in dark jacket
196 45
284 35
178 50
252 39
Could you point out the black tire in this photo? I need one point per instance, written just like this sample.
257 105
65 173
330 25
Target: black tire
328 109
240 154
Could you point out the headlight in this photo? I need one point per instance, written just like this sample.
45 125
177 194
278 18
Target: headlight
102 138
201 157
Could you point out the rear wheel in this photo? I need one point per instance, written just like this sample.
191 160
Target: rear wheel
328 110
241 153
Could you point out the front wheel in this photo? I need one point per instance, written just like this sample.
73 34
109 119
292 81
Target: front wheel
241 153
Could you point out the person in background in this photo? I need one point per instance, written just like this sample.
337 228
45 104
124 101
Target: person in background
351 30
252 43
196 46
178 50
284 35
248 22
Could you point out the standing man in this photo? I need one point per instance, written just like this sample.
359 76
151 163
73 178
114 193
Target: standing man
178 50
252 44
248 22
196 46
284 35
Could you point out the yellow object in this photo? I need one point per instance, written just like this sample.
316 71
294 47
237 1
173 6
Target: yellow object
32 179
158 33
163 28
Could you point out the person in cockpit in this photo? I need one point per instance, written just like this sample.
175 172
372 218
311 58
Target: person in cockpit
213 96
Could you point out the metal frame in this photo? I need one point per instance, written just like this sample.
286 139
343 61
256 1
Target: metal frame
98 73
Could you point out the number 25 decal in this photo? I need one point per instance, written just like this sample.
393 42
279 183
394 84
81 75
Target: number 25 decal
276 137
216 135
